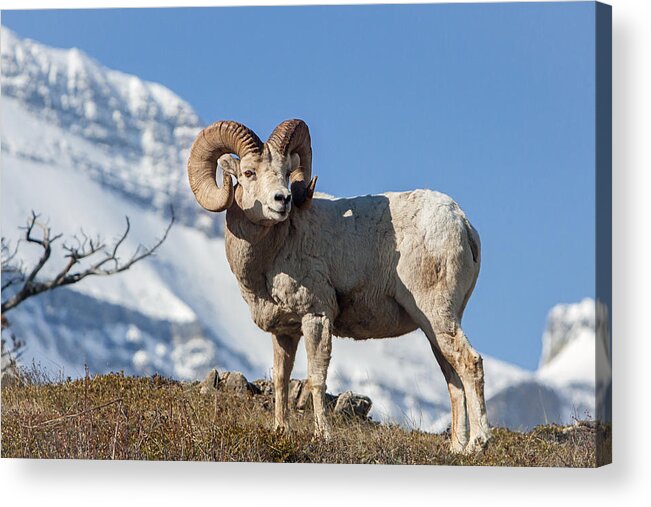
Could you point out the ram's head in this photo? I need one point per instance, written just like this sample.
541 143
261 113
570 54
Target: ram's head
263 171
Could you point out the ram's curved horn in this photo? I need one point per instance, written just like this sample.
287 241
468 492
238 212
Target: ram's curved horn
212 142
293 136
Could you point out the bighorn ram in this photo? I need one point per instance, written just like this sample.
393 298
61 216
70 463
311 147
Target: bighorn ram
375 266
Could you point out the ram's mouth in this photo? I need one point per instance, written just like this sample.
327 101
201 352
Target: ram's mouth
282 213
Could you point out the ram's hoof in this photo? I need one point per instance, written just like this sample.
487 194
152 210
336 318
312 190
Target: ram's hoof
322 434
477 444
457 447
282 429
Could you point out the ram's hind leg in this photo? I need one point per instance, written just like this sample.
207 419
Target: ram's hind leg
459 420
468 364
284 354
438 318
318 344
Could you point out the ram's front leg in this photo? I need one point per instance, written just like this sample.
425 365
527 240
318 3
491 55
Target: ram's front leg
317 330
284 353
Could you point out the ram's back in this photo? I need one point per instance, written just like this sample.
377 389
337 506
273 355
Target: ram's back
373 244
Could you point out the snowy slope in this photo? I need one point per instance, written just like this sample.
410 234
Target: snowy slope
130 135
86 146
571 351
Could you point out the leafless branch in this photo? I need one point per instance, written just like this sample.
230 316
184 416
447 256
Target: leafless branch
12 270
81 248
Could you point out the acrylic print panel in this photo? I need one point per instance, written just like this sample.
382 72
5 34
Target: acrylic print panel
236 314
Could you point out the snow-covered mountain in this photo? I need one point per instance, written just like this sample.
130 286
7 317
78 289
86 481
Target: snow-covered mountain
85 146
130 135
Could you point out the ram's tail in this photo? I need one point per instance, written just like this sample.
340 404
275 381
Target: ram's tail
473 240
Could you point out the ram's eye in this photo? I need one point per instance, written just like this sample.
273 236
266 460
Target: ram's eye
248 173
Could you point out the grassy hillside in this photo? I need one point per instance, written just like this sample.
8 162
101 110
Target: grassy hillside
118 417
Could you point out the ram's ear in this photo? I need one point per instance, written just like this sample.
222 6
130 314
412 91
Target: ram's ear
229 165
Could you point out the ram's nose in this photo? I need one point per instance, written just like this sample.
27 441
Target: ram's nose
283 198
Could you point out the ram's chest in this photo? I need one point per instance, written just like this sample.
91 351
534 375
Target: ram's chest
279 306
275 318
287 291
279 285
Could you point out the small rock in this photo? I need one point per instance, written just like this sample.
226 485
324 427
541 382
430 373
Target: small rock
235 381
295 389
353 405
210 383
331 401
300 395
304 400
264 387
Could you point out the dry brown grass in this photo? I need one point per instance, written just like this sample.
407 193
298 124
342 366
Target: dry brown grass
118 417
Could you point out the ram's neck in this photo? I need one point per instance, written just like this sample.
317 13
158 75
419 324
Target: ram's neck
251 248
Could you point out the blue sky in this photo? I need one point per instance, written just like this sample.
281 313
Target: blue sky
492 104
